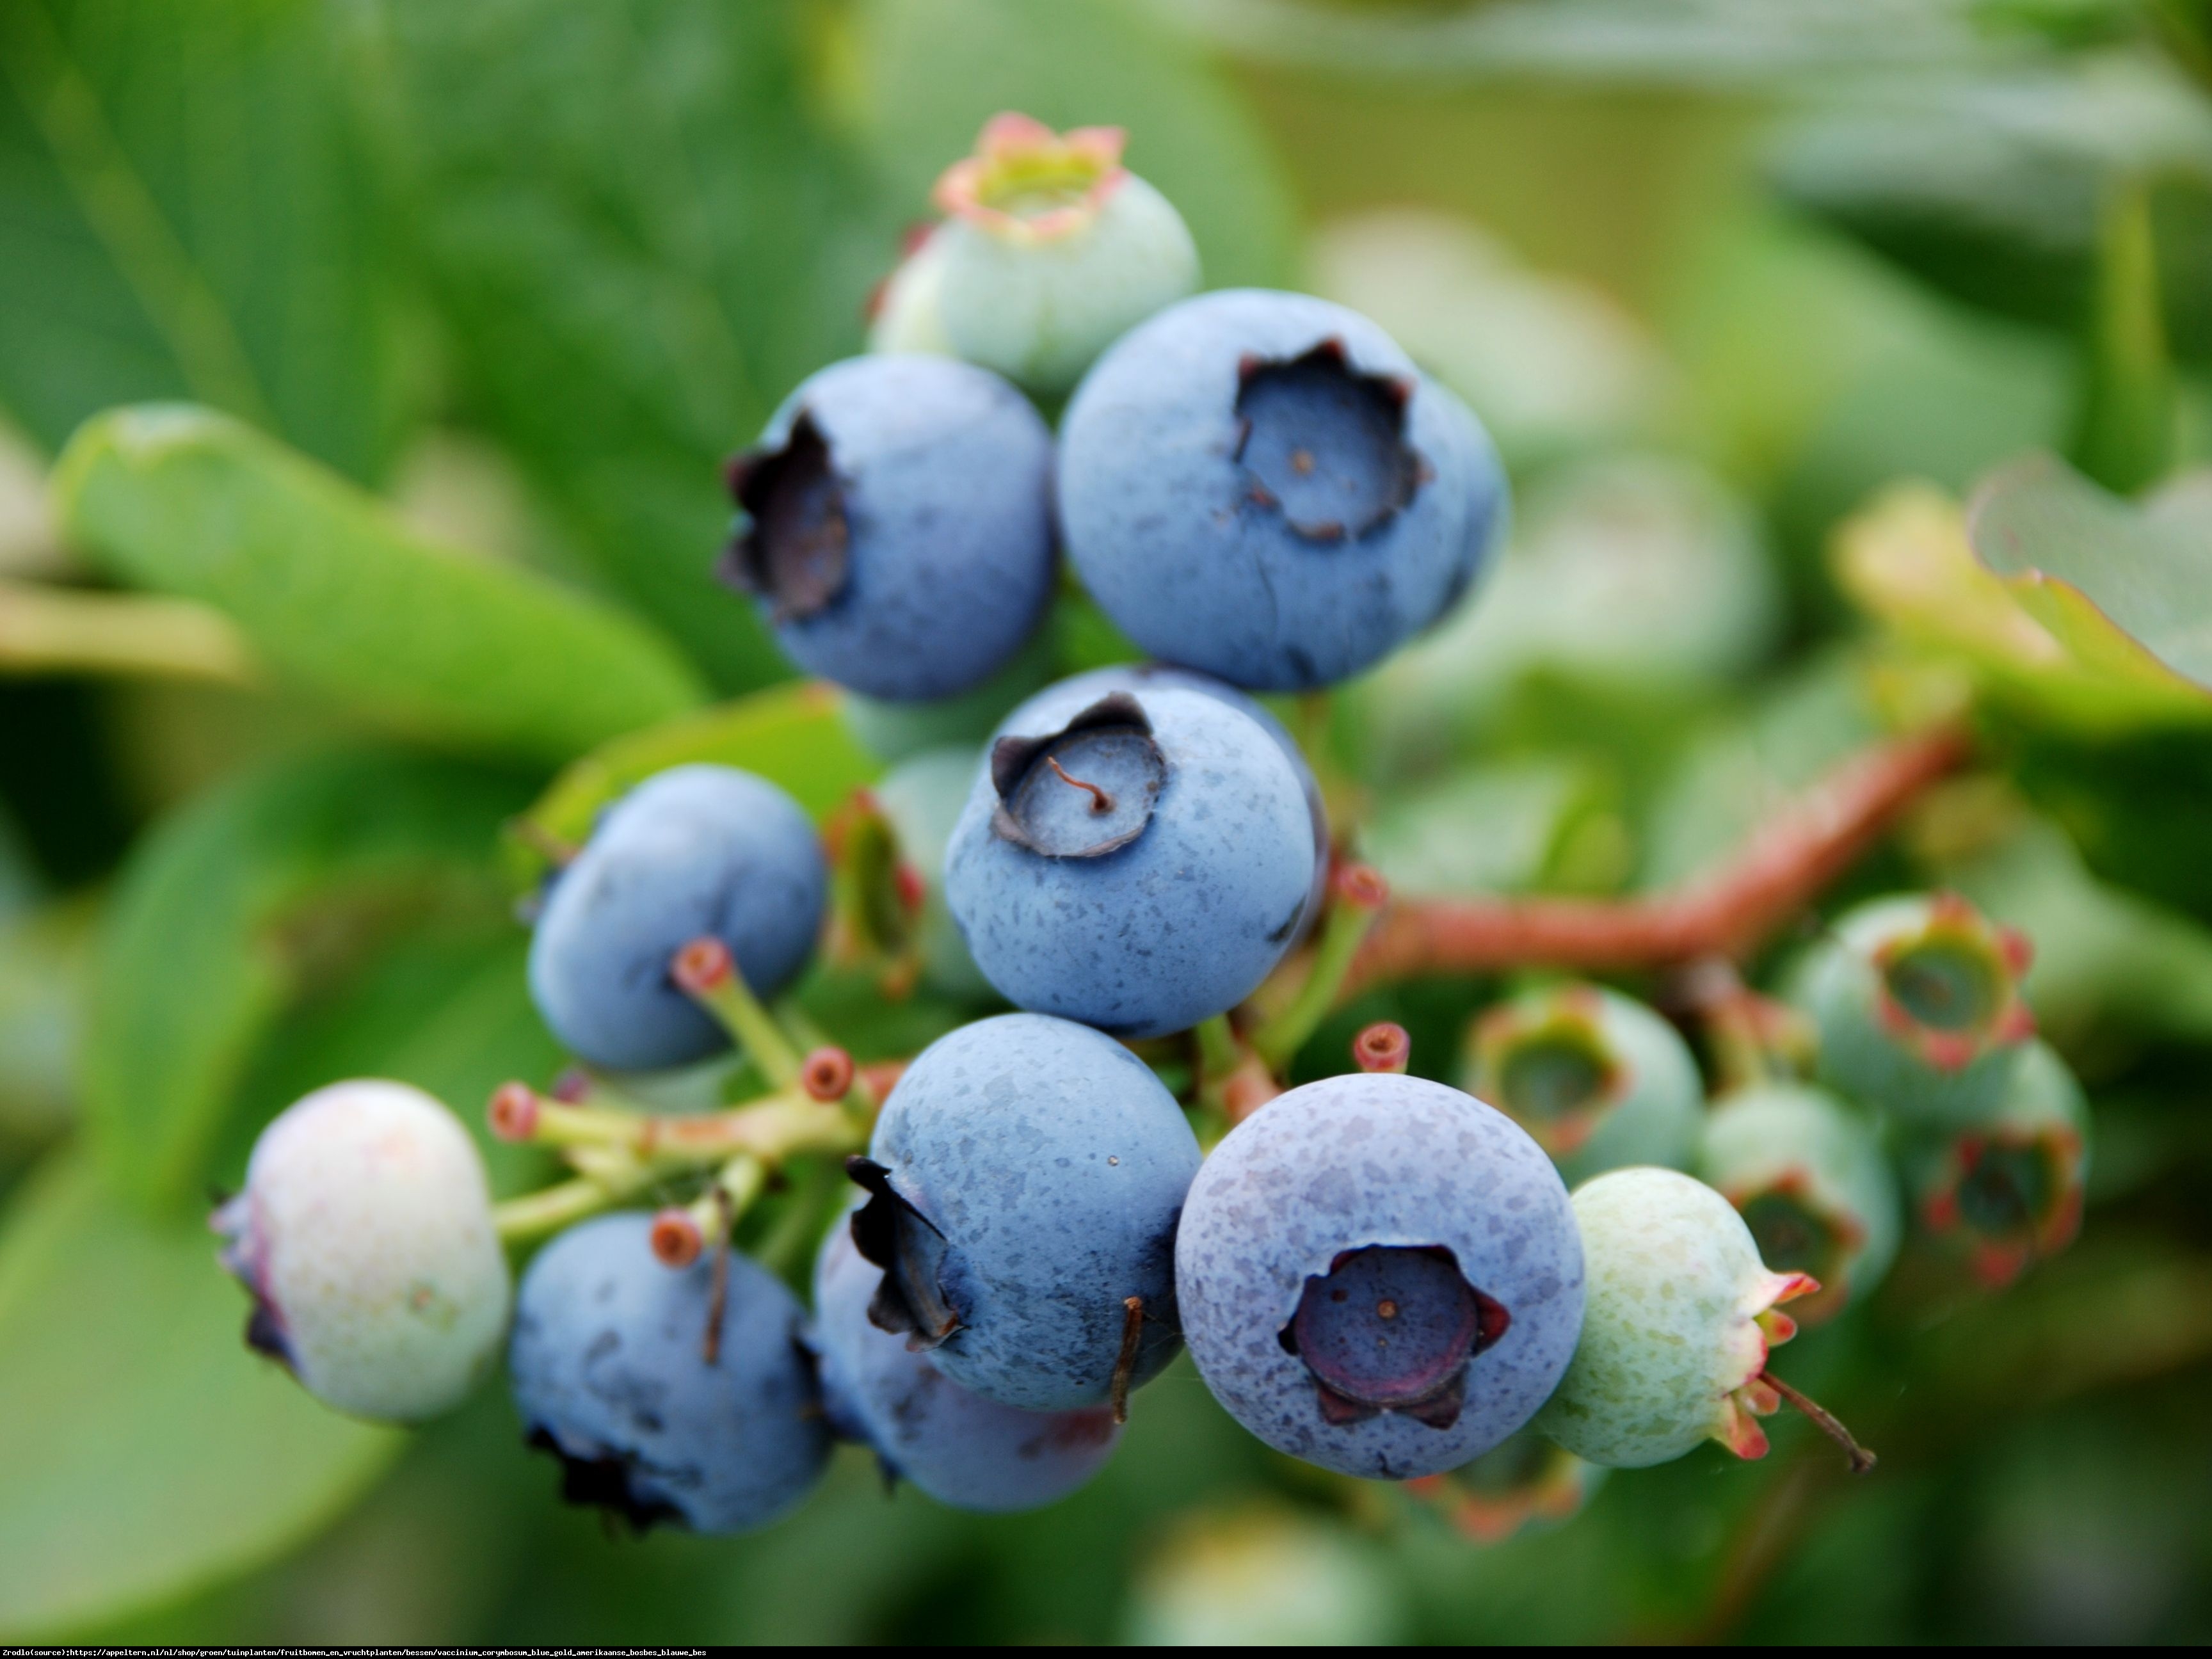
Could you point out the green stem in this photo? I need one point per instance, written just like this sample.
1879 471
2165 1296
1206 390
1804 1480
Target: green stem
1219 1051
536 1214
1349 917
731 1000
789 1243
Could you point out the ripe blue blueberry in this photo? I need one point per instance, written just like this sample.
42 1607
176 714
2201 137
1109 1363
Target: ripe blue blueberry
611 1375
695 851
1262 485
1138 863
954 1444
1598 1079
1026 1174
895 525
365 1235
1079 691
1379 1274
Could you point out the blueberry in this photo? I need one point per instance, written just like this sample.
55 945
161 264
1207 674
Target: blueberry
1080 690
1139 863
365 1235
1810 1178
1676 1333
611 1375
697 850
1919 1004
896 525
1051 250
1262 485
1379 1274
1598 1079
1026 1176
954 1444
2008 1190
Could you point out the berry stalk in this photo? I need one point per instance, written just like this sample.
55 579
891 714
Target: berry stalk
1780 869
703 970
1357 893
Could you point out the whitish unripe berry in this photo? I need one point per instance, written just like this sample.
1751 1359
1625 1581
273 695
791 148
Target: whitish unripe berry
1678 1315
1052 250
365 1235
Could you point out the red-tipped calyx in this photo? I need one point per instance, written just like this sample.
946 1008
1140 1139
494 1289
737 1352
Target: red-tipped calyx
702 966
676 1239
1359 885
1027 183
827 1073
513 1113
1382 1047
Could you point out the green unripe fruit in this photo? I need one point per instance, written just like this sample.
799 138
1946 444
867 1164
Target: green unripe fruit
1678 1313
1808 1175
2008 1190
1919 1004
1598 1080
1052 250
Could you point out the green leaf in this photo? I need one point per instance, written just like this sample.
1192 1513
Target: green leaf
1993 188
2042 616
930 72
233 907
189 216
794 736
642 242
147 1450
338 595
45 959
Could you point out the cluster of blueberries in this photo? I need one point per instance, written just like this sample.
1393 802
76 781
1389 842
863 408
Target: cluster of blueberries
1381 1274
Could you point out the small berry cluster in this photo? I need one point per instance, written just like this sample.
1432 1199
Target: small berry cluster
1383 1276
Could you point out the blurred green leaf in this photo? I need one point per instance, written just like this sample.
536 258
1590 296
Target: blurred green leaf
147 1450
45 980
641 241
189 216
930 72
337 594
794 736
1993 188
2040 589
1421 839
232 906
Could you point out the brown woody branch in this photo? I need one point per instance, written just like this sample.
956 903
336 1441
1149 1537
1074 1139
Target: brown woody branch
1747 899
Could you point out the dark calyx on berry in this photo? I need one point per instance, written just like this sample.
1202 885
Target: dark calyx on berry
264 1333
2010 1187
1391 1327
892 1234
1325 444
794 547
1560 1079
1084 791
1945 985
602 1483
1793 1236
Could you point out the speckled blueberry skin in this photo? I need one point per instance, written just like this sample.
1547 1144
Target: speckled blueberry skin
1053 1165
1184 517
365 1234
1181 922
1080 690
940 476
608 1367
1351 1161
954 1444
697 850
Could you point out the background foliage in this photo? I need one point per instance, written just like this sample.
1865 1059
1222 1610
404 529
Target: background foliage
1753 295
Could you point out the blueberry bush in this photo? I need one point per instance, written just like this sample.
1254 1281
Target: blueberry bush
1260 820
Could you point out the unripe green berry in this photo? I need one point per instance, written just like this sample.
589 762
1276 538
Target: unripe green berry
2008 1190
1051 251
905 315
1808 1176
1919 1004
1678 1315
365 1234
1598 1080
